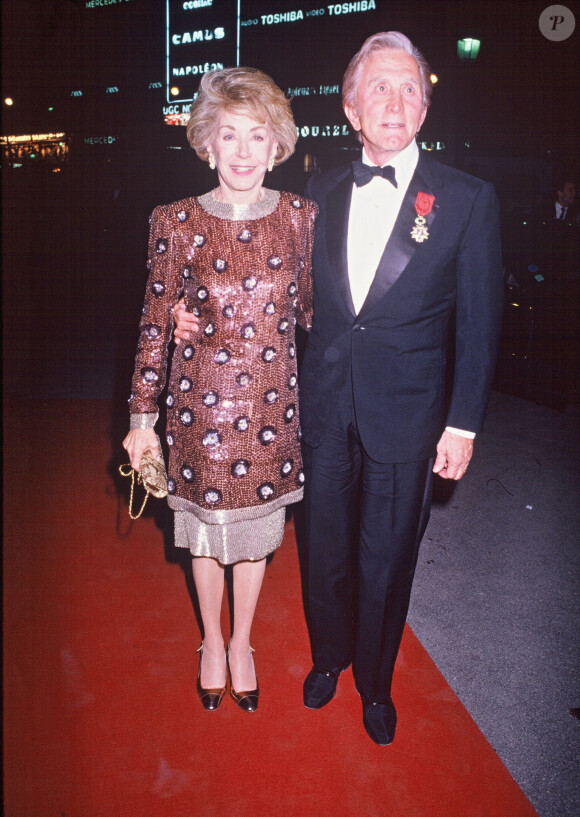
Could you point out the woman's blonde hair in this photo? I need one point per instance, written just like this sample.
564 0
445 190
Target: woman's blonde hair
246 91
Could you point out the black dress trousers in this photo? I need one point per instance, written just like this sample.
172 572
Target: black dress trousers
364 523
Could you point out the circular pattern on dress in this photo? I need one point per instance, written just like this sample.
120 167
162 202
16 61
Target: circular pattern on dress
212 496
152 330
202 294
271 397
199 240
270 308
222 356
171 486
170 439
245 236
210 398
265 491
268 354
292 289
149 375
242 423
229 311
244 379
158 288
300 478
185 384
283 324
170 400
275 262
291 351
267 435
188 352
297 204
249 282
186 416
182 215
286 468
248 331
211 438
240 468
292 381
186 272
209 329
161 246
289 413
220 265
187 473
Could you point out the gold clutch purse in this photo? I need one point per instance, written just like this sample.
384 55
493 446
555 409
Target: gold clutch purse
151 475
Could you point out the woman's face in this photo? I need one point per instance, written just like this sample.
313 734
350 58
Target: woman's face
242 148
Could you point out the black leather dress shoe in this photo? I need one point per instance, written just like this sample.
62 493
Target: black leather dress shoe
320 686
380 721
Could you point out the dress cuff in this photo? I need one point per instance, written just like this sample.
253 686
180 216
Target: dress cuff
144 420
461 432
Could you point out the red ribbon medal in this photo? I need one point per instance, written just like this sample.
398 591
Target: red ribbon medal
423 206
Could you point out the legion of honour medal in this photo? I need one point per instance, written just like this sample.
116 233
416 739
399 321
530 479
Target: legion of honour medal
423 206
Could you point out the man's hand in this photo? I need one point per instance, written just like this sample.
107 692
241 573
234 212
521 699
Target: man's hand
185 322
453 455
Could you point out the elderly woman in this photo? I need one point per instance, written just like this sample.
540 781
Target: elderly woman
240 257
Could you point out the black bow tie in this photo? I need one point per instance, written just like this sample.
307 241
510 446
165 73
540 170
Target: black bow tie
364 173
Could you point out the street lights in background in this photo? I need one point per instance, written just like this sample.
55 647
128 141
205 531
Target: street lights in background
468 48
467 52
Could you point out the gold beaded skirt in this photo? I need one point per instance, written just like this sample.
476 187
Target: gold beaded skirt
244 540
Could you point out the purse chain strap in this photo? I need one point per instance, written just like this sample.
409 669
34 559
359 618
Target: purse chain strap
131 473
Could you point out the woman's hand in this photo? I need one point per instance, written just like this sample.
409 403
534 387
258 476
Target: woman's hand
186 322
137 441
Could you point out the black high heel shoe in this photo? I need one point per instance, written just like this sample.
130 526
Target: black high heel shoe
248 700
210 698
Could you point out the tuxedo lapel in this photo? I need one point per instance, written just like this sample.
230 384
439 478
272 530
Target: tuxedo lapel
337 211
400 247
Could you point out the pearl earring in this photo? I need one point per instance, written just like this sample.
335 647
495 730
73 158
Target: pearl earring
211 161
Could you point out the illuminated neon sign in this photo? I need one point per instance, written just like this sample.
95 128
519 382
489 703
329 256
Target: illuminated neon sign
205 35
201 36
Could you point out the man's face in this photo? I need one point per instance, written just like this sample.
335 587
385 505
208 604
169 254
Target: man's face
389 104
567 195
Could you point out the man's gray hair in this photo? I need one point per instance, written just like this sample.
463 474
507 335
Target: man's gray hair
378 42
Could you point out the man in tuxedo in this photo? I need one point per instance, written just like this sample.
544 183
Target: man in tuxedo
402 243
564 209
397 252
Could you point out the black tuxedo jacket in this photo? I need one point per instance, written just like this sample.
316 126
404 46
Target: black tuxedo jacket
546 214
394 350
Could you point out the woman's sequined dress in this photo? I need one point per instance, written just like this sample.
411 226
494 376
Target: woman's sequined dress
232 397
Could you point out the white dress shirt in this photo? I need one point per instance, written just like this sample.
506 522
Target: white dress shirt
373 211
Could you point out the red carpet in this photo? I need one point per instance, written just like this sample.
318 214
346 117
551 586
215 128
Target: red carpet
101 717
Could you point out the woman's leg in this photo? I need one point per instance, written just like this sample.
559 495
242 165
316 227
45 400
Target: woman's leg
248 577
208 575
